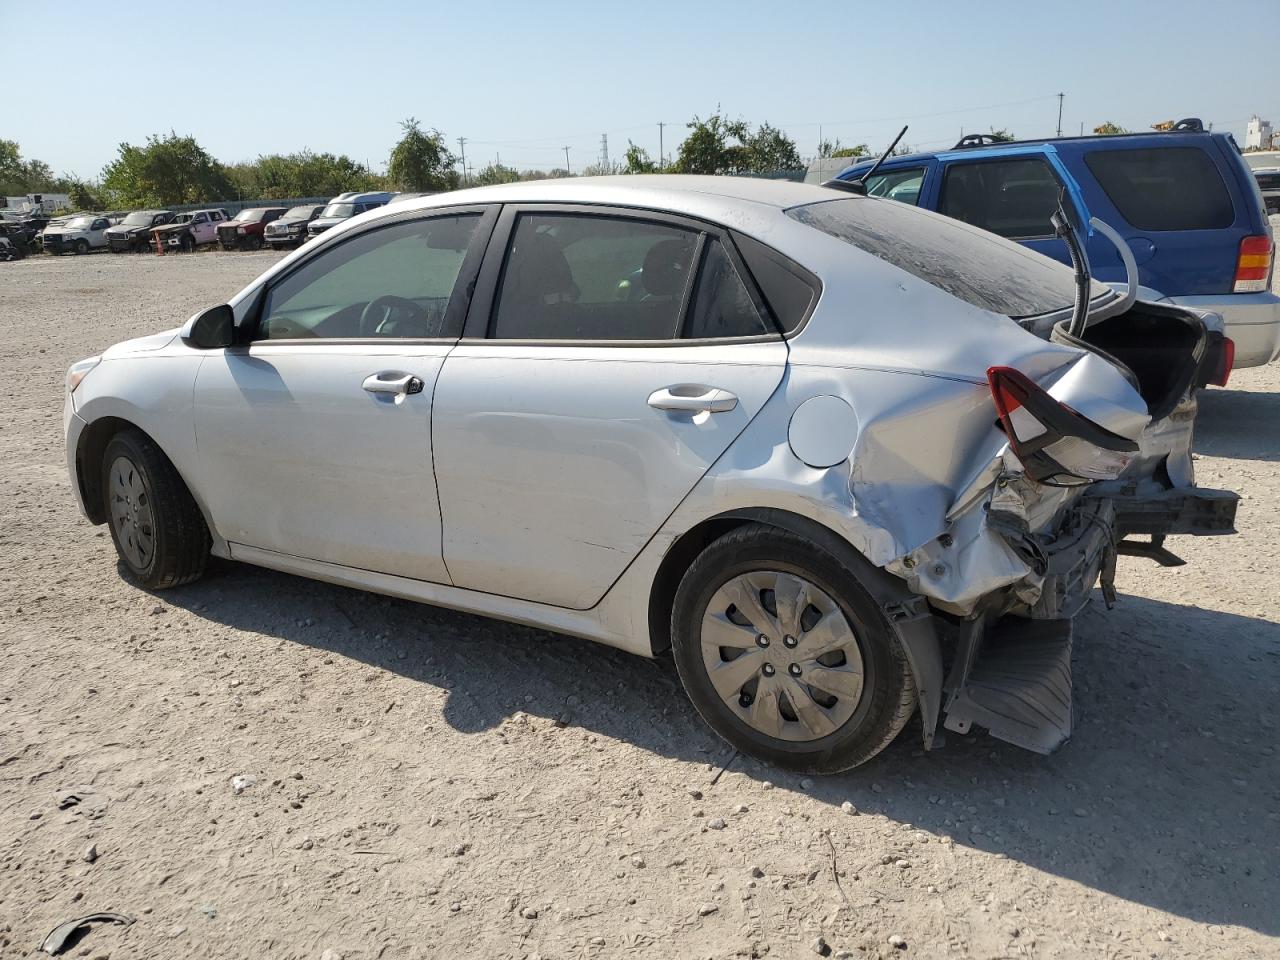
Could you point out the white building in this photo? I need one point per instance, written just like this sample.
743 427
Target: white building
1257 136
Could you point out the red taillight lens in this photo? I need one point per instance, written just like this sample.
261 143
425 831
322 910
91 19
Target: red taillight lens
1054 442
1253 266
1226 361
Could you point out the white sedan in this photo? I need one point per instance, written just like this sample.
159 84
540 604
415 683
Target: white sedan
814 444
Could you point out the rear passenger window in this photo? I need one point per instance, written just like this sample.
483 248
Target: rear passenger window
1174 188
1012 198
788 288
571 277
722 306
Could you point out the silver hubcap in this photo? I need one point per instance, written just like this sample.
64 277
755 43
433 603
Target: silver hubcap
782 655
131 515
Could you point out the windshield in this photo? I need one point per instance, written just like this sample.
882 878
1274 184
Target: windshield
298 213
78 223
250 216
974 265
139 219
339 210
183 218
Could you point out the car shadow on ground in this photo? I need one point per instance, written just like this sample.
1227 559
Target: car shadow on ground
1166 795
1238 424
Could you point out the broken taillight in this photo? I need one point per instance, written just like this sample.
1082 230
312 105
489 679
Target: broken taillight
1253 266
1054 442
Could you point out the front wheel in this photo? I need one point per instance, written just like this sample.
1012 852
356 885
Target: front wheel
158 531
786 655
82 246
188 244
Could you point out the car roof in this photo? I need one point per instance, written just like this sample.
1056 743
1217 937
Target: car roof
703 196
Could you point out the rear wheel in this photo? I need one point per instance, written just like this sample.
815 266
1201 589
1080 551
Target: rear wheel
158 531
786 655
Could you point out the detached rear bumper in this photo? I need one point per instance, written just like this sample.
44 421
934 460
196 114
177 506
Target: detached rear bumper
1187 510
1252 322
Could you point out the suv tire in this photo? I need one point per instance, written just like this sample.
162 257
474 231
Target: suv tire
823 683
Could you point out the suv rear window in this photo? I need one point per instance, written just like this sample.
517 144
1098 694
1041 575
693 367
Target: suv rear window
1171 188
974 265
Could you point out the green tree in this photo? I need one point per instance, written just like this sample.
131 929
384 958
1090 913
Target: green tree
1002 135
496 173
721 146
1107 128
638 160
421 161
769 149
709 148
82 196
166 170
834 148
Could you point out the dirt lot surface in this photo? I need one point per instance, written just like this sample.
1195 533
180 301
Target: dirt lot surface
429 784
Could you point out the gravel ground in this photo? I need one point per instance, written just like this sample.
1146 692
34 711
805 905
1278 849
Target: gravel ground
430 784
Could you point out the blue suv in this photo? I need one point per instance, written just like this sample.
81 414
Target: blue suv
1184 201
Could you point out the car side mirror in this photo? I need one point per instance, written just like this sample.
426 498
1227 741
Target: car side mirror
211 329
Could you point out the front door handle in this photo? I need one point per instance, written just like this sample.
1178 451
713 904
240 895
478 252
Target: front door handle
395 384
683 397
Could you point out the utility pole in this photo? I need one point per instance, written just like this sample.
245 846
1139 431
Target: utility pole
566 162
1060 96
661 161
462 146
604 151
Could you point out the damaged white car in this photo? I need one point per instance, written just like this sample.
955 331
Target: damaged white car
846 459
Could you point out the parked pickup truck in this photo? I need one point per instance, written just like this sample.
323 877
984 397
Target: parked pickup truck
291 229
199 227
133 233
81 233
245 229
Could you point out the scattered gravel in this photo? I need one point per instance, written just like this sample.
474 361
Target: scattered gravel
396 761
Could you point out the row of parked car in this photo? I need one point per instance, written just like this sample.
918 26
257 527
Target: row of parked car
250 229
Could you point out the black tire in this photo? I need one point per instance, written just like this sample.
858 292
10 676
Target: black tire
179 538
82 247
888 695
255 244
188 243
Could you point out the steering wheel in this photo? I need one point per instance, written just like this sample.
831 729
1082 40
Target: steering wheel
382 313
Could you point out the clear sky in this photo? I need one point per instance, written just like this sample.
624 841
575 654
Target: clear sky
521 80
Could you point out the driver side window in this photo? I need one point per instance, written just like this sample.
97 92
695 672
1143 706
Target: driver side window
390 282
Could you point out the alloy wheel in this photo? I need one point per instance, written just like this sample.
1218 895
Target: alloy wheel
781 654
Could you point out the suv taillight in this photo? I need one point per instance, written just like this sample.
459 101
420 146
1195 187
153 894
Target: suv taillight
1253 267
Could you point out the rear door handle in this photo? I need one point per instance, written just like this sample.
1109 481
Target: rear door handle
395 384
682 397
